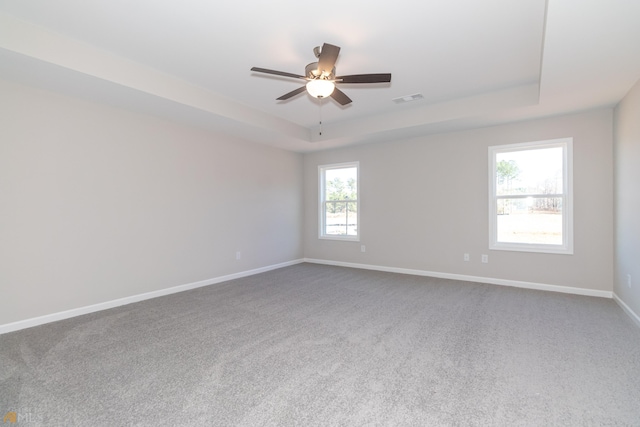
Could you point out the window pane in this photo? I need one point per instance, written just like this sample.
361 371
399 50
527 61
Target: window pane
336 218
341 184
537 171
536 220
341 218
352 220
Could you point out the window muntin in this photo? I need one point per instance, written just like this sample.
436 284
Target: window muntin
530 207
339 206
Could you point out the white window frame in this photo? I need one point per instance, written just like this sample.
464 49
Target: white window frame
321 204
567 198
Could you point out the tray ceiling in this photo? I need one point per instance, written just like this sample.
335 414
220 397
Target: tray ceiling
474 63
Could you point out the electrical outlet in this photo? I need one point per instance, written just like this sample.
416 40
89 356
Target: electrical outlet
466 257
238 255
485 258
629 281
363 248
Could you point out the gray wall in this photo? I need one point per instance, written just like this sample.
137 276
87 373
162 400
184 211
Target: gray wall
98 203
424 203
627 199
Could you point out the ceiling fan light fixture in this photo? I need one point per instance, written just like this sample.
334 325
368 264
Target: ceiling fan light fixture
320 88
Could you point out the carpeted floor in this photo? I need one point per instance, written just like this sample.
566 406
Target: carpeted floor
314 345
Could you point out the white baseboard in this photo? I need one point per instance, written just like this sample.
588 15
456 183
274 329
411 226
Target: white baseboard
478 279
634 316
28 323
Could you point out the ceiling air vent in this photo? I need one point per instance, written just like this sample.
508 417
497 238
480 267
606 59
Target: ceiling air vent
408 98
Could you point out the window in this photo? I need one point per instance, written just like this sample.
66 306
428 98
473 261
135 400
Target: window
530 206
339 201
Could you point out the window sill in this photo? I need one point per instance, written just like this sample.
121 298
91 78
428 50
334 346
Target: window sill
341 238
528 247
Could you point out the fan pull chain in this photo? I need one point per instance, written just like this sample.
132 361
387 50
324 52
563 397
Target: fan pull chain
320 115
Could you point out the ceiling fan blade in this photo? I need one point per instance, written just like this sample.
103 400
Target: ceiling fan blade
328 57
340 96
292 93
365 78
277 73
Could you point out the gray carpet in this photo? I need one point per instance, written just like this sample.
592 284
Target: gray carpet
318 345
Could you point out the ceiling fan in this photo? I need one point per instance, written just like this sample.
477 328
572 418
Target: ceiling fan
321 76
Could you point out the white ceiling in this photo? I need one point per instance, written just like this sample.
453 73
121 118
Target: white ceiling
476 63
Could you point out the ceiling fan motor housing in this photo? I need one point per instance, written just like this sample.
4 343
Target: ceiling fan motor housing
313 72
